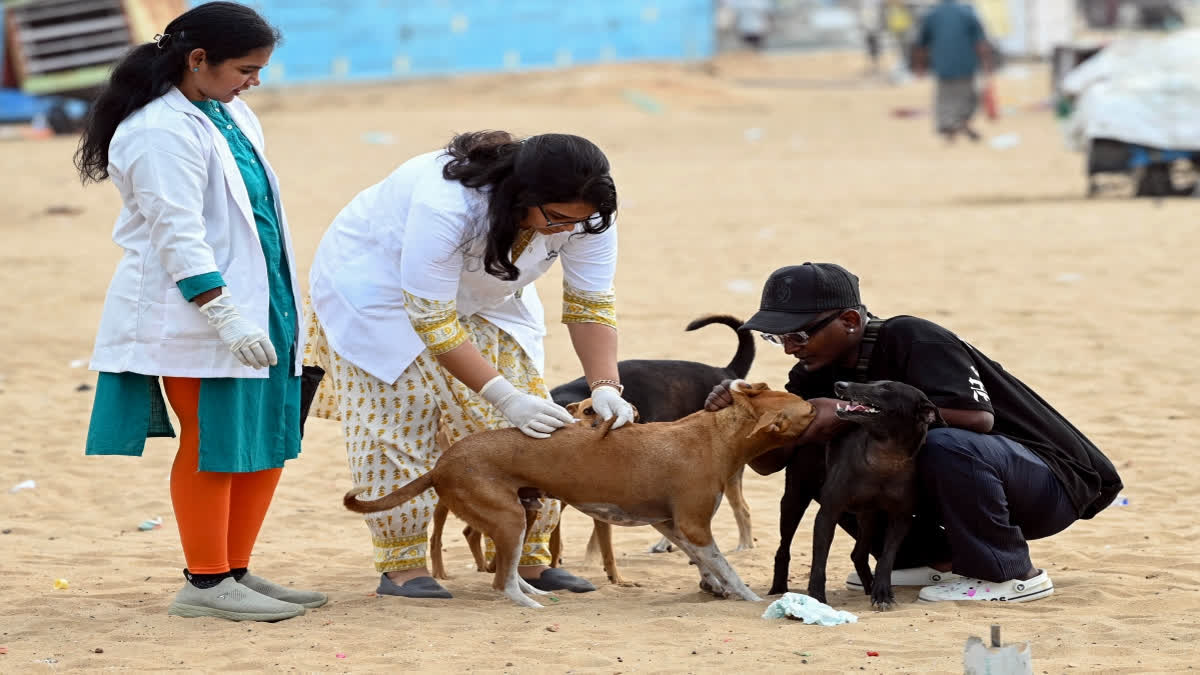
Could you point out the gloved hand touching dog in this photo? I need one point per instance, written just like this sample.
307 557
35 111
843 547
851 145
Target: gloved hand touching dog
536 417
607 402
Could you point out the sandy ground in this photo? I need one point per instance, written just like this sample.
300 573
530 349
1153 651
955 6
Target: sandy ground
768 162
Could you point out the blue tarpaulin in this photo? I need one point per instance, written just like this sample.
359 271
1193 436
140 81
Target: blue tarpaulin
390 39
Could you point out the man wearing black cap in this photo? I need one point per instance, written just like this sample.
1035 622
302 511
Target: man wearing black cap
1006 468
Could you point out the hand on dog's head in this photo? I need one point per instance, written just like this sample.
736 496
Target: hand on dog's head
779 413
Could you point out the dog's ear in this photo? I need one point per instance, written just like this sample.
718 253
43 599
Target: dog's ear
743 387
930 414
573 408
770 422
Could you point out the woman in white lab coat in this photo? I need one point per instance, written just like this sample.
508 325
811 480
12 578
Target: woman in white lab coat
204 298
425 314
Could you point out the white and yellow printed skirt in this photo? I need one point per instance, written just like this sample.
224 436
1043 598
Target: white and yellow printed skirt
390 427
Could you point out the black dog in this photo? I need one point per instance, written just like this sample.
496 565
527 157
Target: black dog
869 471
667 390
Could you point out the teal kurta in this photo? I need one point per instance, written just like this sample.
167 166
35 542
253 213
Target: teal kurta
245 424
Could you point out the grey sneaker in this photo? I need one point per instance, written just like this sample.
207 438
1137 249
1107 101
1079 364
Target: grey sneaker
310 599
230 600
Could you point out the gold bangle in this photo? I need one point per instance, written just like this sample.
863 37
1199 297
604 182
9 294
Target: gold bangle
611 383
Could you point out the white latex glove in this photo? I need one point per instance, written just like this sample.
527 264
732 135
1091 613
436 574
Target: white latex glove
535 417
247 341
607 401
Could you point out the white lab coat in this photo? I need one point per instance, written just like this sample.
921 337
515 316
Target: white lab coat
186 212
417 232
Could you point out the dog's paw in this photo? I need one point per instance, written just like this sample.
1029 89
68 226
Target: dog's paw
664 545
883 601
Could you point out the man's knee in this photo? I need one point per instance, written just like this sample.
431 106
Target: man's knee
945 441
949 452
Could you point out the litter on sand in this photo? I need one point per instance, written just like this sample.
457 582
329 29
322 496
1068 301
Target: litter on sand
151 524
643 101
803 608
1121 500
340 655
1005 141
61 584
23 485
378 138
739 286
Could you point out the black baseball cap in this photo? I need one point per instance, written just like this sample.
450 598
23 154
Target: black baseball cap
794 296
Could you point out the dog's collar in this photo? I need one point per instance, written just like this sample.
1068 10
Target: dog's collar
870 336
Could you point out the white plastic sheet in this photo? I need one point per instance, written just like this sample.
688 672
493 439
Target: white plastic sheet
1143 90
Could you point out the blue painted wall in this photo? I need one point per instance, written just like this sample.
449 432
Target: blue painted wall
348 40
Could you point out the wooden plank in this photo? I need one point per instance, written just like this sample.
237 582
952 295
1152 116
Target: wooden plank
110 38
28 35
147 17
35 13
89 58
67 80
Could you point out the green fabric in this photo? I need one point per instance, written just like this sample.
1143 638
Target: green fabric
246 424
193 286
128 409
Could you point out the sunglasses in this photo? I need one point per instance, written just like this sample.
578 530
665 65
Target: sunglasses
802 336
590 220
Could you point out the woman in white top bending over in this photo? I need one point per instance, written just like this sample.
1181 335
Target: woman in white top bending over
424 313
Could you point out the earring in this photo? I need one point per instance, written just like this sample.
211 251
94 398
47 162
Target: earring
196 70
850 331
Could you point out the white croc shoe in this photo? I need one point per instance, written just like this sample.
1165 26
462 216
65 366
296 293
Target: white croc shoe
913 576
1013 590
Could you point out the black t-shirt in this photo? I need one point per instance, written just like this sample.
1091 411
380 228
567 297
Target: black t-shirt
955 375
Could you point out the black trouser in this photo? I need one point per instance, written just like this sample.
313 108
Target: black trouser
982 497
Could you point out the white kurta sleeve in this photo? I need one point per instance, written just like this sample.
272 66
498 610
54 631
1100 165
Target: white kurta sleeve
431 253
589 266
590 260
168 176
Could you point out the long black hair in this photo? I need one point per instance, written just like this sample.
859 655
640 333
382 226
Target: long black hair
544 169
224 30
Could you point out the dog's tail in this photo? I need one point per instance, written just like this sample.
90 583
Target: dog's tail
744 358
390 500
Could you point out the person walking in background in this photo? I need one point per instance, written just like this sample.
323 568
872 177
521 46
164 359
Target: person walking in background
898 22
204 297
753 20
952 43
870 21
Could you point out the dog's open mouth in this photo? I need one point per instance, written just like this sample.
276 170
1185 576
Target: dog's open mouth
856 408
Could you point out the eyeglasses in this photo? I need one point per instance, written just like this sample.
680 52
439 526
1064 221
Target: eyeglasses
802 336
590 220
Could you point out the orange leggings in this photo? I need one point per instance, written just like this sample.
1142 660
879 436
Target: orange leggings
219 514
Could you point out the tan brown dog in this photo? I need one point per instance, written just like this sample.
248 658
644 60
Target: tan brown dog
669 474
600 541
